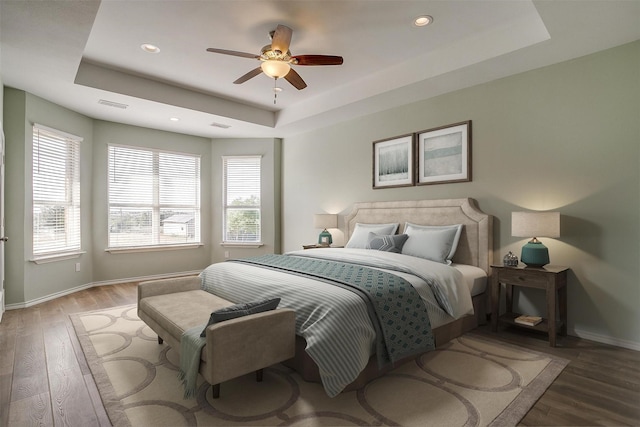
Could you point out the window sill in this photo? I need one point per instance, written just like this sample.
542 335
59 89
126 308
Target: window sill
251 245
152 248
44 259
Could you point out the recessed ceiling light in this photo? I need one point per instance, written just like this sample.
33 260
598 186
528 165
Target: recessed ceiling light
423 20
174 119
148 47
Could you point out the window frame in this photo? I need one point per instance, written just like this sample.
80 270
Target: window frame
72 196
226 206
156 206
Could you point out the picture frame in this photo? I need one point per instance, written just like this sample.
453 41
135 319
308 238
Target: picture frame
443 154
393 162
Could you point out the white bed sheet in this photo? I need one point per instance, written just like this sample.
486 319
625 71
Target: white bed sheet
475 278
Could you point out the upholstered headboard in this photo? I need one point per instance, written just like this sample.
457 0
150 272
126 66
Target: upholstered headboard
476 241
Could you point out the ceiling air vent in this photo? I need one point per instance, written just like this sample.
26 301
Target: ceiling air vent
220 125
112 104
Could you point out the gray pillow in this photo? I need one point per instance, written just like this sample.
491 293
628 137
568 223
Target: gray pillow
387 243
435 243
360 235
240 310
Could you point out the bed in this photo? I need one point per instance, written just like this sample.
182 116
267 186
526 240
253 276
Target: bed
338 339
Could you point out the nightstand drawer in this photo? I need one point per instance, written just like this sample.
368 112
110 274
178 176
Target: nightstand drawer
517 277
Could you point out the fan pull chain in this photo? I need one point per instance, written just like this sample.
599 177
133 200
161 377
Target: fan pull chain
275 90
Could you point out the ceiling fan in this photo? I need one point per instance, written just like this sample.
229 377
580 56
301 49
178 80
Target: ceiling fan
277 59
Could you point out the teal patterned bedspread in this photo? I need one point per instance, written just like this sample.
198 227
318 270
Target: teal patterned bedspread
396 310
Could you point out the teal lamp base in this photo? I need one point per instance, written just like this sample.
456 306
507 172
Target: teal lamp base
535 254
325 238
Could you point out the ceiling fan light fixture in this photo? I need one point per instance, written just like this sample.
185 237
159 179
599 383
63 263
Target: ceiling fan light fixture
276 60
423 20
275 69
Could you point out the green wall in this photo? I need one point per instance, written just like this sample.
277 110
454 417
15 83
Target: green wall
27 282
2 250
564 137
116 265
14 199
270 150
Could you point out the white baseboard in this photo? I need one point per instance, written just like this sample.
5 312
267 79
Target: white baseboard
604 339
93 285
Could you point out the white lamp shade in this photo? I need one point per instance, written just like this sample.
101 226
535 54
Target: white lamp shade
275 69
535 224
325 221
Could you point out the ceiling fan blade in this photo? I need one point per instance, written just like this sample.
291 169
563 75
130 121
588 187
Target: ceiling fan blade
318 60
233 53
251 74
294 78
281 38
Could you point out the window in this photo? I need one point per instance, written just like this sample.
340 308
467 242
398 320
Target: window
154 198
56 192
241 200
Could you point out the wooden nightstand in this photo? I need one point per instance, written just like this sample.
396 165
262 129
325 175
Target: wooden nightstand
550 278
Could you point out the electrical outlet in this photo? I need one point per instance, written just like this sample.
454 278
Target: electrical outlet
226 254
77 267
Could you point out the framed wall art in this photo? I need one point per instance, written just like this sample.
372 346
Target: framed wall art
444 154
393 164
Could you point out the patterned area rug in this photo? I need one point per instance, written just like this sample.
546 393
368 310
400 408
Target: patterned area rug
471 381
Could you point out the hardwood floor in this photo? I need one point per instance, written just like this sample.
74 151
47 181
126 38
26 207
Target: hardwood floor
45 380
600 385
44 377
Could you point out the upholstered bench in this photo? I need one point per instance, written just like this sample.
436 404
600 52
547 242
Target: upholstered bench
234 347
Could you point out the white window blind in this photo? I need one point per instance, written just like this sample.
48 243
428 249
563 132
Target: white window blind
56 192
241 201
154 198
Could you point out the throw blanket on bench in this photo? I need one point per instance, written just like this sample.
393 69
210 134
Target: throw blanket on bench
395 307
191 345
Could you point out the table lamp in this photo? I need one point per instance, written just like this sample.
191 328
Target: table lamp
534 225
325 221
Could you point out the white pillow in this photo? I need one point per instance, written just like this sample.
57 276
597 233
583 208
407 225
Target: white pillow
434 242
360 236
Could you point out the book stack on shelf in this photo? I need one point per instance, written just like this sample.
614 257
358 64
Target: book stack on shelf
528 320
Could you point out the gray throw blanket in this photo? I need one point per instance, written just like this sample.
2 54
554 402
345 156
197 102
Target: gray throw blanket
395 307
191 345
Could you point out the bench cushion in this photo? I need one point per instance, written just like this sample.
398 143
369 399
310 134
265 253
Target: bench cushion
182 310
